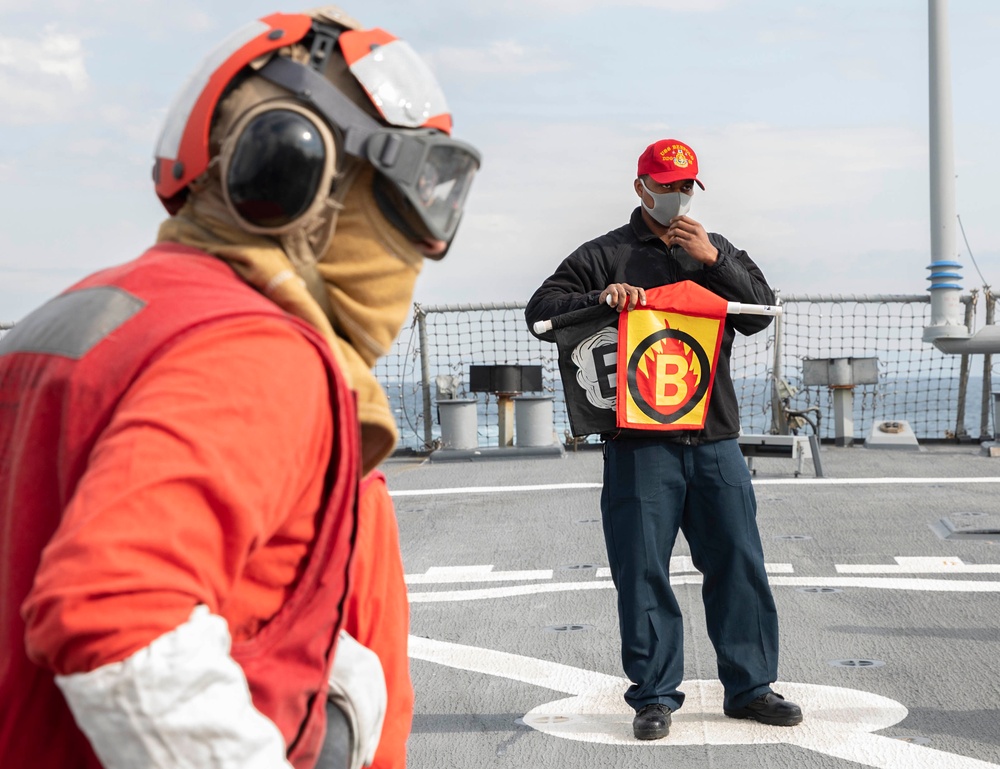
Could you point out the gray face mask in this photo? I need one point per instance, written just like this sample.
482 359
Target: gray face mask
666 205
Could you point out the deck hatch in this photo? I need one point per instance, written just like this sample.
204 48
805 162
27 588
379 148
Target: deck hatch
968 526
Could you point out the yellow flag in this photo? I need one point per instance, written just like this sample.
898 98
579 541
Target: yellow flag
667 352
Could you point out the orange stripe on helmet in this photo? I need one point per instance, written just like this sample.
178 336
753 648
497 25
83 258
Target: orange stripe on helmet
172 175
357 43
441 122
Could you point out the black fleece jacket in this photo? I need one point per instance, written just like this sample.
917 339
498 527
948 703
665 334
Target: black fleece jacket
633 254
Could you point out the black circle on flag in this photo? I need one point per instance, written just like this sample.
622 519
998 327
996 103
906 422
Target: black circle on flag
699 392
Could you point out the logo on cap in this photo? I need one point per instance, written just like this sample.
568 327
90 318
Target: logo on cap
676 154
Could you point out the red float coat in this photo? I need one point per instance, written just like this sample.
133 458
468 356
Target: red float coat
139 447
377 613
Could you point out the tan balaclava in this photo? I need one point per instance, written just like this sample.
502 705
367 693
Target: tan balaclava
345 269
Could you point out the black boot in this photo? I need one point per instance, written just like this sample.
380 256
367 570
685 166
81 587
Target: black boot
771 709
652 722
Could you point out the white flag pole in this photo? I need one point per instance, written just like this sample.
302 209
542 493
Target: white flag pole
733 308
738 308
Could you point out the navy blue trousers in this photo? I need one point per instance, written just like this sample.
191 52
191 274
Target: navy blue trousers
652 489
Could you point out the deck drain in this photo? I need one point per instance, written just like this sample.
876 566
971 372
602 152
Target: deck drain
568 628
915 740
819 590
579 567
857 663
588 520
544 719
967 515
793 537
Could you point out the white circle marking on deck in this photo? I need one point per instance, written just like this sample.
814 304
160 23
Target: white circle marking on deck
838 722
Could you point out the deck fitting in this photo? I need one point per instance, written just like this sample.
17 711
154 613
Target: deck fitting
568 628
946 529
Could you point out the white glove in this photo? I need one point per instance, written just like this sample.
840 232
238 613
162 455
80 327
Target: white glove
357 687
180 703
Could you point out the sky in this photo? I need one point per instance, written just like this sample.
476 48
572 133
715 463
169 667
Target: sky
810 120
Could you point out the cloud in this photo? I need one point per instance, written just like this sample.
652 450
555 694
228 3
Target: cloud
502 57
150 17
828 209
138 126
582 6
196 20
821 209
856 68
41 78
823 161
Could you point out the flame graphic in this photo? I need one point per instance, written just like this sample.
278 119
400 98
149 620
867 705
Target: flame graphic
678 390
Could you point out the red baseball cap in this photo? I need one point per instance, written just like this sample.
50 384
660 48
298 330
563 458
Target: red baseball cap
669 160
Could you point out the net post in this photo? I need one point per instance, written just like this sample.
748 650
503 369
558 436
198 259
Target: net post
778 423
984 429
425 372
963 374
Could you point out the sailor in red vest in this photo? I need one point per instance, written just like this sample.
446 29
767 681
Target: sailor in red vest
182 437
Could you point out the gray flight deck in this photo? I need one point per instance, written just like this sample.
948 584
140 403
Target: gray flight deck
890 632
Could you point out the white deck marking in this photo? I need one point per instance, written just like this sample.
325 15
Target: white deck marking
838 722
921 565
487 593
756 482
445 575
876 583
870 481
439 575
892 583
682 564
492 489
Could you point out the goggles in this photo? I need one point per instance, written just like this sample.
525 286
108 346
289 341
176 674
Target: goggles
428 172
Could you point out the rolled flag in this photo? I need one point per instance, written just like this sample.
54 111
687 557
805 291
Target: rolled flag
587 345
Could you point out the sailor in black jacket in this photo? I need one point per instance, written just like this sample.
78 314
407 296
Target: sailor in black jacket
696 481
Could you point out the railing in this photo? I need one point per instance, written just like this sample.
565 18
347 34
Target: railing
931 390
